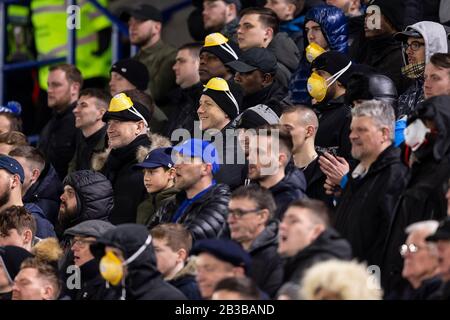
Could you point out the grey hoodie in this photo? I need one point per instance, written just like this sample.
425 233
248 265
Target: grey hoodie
434 35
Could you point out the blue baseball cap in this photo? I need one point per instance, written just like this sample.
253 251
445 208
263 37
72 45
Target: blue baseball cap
156 158
12 166
202 149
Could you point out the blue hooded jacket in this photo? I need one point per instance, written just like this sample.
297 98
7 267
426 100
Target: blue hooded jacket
334 25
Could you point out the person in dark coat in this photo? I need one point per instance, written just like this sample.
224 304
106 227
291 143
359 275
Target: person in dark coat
93 286
367 206
331 109
42 185
88 195
12 176
424 197
186 96
420 41
130 246
255 73
305 238
269 166
219 106
333 36
384 53
421 265
264 33
127 123
303 124
57 138
202 204
11 257
172 243
250 213
90 108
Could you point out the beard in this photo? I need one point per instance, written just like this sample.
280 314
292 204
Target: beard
4 198
66 216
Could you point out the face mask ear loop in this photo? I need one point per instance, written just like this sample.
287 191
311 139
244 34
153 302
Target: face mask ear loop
233 99
136 113
230 50
338 74
139 251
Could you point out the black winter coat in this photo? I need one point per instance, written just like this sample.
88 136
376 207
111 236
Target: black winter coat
291 188
334 128
57 140
267 266
233 165
329 245
128 184
204 218
143 281
94 194
188 286
85 149
367 207
315 179
424 197
46 192
93 286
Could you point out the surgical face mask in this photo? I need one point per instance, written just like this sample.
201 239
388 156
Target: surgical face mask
111 267
313 50
318 85
415 134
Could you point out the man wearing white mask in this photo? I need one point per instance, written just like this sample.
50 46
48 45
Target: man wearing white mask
428 138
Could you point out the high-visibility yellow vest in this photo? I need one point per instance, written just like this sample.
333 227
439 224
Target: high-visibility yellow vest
49 19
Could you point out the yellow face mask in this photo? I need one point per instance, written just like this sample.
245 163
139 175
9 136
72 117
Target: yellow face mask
111 268
317 87
313 51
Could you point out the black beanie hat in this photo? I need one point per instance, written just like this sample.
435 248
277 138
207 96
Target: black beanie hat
134 71
224 96
218 45
11 258
333 62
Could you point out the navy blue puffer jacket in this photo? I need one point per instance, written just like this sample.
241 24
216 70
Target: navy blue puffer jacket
334 26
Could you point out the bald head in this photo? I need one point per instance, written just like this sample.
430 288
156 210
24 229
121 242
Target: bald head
302 123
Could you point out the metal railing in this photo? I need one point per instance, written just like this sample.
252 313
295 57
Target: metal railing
118 28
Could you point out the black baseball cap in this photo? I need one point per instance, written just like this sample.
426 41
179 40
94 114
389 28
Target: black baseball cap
142 12
255 59
408 33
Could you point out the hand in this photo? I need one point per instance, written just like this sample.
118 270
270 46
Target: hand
331 188
333 167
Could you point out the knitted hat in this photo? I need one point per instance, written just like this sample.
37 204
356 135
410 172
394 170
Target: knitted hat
218 45
122 108
134 71
333 62
218 90
257 116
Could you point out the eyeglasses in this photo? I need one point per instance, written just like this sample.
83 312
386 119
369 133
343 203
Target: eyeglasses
412 248
238 213
80 242
413 45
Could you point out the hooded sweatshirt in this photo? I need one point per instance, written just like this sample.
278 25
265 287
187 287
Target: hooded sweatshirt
435 38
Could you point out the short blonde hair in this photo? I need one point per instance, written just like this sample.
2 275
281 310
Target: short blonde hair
346 280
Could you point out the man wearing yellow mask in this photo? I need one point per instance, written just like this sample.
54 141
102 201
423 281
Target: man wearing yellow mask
327 86
128 264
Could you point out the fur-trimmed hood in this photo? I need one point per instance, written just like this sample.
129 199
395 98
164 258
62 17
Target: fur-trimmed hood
157 141
190 269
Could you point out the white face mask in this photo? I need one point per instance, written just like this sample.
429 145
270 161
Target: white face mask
415 134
